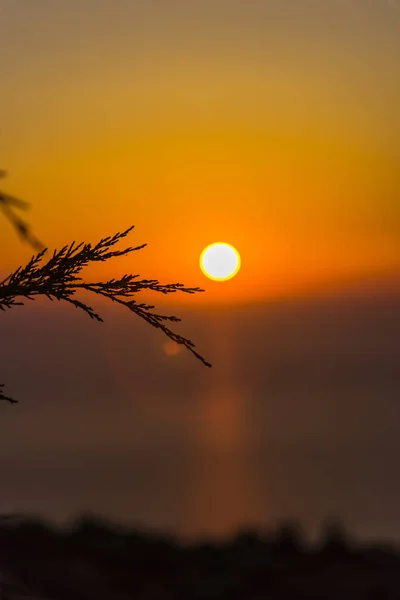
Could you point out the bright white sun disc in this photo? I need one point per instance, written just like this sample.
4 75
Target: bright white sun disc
220 261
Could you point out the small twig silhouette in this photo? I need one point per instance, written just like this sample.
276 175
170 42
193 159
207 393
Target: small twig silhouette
4 397
59 279
7 204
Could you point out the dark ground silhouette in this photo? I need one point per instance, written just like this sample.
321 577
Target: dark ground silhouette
95 559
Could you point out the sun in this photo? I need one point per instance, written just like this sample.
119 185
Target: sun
220 261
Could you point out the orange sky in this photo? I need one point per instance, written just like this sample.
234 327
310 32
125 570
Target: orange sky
272 126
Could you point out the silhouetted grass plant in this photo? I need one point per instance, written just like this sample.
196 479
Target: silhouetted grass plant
59 279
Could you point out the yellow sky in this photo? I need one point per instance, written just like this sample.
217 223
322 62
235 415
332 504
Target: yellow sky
274 129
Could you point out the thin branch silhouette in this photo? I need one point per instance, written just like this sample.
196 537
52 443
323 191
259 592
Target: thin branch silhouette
4 397
7 205
59 279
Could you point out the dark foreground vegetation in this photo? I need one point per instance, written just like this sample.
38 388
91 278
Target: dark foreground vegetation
94 559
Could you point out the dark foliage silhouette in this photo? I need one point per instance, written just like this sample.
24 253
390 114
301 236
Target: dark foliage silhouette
94 559
59 279
335 539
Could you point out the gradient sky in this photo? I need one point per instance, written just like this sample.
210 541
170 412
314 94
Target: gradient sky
270 124
273 125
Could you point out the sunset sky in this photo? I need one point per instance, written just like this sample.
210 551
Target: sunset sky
272 125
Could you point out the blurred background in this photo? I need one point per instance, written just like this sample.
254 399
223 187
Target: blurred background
271 125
